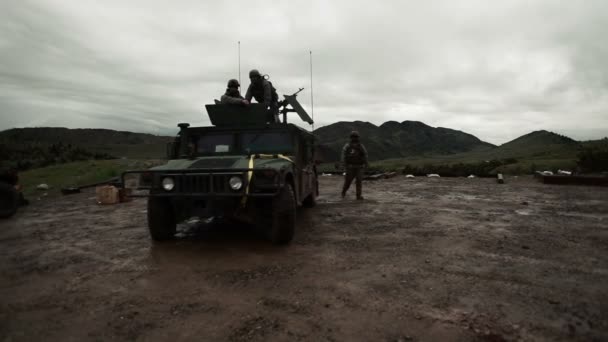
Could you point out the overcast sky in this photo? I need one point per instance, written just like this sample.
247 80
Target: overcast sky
495 69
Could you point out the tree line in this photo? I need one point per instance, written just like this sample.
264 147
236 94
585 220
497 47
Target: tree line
32 155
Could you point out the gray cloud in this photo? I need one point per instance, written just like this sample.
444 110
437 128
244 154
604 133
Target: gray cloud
495 70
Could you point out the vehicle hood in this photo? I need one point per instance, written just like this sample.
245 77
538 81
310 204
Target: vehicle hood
223 162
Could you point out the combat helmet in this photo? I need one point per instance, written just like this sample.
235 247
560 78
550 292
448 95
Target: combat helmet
254 73
233 83
354 134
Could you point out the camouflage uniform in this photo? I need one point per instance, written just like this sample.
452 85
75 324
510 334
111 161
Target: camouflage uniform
354 157
263 92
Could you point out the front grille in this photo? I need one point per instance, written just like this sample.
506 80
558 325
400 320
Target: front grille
193 183
203 183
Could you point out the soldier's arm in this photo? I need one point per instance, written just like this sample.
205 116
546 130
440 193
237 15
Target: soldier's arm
343 154
248 95
231 100
364 154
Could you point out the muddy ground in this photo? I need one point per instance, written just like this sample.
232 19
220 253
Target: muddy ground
420 259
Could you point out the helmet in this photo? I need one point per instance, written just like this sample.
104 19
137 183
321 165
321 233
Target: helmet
254 73
354 134
233 83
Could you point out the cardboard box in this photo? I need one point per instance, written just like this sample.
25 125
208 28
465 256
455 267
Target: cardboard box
107 194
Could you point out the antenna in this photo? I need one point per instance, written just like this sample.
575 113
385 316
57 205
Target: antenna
239 62
312 104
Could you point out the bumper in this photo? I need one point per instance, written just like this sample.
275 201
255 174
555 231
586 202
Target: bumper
198 183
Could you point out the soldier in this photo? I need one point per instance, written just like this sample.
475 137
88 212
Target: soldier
354 158
232 95
263 92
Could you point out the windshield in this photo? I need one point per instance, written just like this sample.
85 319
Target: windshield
215 143
267 142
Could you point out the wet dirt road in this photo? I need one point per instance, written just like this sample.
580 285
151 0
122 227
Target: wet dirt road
419 259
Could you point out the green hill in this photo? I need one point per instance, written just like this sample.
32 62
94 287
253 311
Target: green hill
104 141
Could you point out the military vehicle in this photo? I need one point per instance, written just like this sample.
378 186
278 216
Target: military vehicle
246 167
11 197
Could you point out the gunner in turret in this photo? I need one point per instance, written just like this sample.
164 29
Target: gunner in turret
233 95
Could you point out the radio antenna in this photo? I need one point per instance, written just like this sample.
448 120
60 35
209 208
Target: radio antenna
239 62
312 104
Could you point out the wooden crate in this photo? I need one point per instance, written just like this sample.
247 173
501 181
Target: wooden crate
107 194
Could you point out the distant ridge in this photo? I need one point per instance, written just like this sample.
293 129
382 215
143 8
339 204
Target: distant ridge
79 136
394 140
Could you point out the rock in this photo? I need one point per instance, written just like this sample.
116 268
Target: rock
42 186
525 247
524 203
553 301
471 176
410 176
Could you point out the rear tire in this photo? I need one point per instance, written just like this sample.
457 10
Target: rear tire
9 200
283 216
161 219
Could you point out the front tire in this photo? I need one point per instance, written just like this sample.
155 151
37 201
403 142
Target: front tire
282 228
161 219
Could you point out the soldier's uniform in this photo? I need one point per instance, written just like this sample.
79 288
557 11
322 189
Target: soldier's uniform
354 158
263 92
233 95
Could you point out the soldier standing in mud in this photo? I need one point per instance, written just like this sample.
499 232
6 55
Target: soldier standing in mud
354 159
233 95
263 92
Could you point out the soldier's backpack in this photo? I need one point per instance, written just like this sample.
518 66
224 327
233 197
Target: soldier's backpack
354 155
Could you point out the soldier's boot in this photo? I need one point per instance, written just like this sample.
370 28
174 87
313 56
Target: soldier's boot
359 190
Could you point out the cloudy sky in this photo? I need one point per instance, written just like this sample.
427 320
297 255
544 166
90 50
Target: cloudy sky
496 69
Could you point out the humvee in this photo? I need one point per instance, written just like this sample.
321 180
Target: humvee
246 167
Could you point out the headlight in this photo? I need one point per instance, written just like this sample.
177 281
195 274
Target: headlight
168 183
235 182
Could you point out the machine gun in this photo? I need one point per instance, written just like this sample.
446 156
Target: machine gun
290 100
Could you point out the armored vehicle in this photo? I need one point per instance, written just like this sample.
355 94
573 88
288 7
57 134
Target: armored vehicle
246 167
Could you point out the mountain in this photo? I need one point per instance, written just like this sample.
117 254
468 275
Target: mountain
395 140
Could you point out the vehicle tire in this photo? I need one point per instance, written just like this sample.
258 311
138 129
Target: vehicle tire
9 200
161 219
283 216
